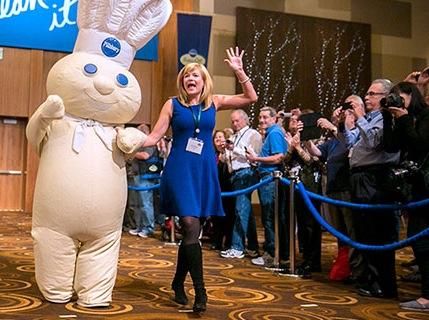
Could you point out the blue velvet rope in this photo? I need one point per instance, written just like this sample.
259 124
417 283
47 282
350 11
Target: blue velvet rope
363 206
155 186
150 176
223 194
345 239
306 197
249 189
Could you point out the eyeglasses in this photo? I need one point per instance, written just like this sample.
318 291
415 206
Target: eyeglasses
372 93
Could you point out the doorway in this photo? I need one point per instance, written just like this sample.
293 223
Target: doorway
13 149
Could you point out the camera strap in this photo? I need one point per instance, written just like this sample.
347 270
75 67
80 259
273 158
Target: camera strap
418 164
424 161
237 142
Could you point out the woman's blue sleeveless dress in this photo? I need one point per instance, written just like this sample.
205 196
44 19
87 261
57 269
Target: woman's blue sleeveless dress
189 182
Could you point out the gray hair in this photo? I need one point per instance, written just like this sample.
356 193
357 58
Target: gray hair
356 98
386 83
271 110
242 114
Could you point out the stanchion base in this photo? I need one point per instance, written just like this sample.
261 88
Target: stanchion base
171 243
289 274
277 268
274 269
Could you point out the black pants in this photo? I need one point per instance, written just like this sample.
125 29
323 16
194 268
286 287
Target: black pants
418 221
309 233
223 226
375 228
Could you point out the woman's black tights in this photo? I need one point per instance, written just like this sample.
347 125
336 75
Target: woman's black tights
191 228
190 258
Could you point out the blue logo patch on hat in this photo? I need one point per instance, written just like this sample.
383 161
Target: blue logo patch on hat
111 47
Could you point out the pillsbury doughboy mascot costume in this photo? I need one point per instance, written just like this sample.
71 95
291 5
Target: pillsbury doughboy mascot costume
81 185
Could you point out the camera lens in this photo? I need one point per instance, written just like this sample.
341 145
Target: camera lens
392 100
346 105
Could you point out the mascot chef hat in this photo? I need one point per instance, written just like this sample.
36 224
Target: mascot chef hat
116 29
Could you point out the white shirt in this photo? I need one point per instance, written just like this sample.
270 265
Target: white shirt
245 137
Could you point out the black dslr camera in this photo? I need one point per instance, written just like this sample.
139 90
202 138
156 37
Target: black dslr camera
346 105
392 100
401 179
406 170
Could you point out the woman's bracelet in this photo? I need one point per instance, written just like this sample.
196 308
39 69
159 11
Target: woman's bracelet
244 81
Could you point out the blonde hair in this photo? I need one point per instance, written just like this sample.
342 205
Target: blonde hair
207 92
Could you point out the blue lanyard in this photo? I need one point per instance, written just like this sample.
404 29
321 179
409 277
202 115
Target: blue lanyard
197 119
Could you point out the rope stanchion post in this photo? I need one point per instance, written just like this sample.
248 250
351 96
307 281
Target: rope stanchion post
172 241
277 175
293 178
292 223
276 265
173 230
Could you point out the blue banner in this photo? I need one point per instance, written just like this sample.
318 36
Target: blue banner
193 35
48 25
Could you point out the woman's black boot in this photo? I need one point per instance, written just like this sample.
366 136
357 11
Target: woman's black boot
180 294
179 278
200 300
194 258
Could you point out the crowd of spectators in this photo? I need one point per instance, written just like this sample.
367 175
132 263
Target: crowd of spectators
358 146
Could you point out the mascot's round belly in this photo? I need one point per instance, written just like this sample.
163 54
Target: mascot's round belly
82 195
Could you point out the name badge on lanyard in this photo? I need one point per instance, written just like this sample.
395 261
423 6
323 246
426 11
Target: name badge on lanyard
194 144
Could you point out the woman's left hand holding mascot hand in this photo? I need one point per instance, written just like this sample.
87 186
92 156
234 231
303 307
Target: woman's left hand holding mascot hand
129 139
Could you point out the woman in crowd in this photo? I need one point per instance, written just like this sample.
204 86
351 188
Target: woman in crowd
189 185
300 162
222 226
406 128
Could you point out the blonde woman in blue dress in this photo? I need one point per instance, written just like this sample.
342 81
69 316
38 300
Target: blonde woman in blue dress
189 184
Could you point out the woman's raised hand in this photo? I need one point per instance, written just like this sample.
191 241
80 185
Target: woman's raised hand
234 58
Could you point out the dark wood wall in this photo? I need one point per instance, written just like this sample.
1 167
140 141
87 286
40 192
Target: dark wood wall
23 75
306 62
284 59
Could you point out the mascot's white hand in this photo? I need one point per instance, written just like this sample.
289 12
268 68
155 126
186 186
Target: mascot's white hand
53 108
129 139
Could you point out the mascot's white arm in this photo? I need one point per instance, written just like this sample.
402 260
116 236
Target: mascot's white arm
38 126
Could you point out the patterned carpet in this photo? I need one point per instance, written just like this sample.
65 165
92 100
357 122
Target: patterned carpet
236 288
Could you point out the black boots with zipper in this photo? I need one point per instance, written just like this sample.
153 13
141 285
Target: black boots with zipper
190 259
179 278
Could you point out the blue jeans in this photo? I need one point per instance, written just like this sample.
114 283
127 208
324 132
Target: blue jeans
245 223
266 197
145 219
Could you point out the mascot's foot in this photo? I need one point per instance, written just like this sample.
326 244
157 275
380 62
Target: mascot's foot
93 305
58 301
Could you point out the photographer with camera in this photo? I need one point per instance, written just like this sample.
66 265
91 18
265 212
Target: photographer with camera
242 176
421 80
406 122
369 165
334 153
281 117
299 162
